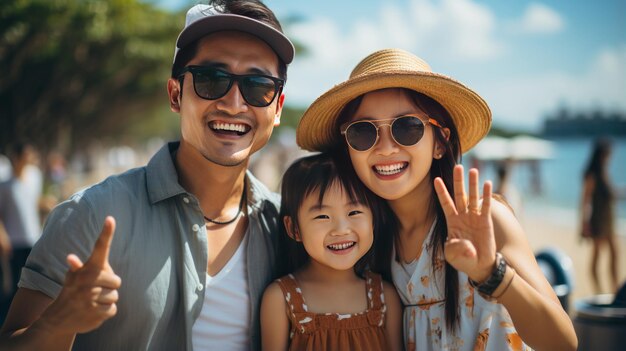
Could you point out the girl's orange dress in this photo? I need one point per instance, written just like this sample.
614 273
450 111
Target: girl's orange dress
334 331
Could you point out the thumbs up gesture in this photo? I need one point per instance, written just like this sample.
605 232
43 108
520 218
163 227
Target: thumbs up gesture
89 293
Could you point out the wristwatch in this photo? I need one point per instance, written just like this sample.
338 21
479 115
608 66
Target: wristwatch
497 275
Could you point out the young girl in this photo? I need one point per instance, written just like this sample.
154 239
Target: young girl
462 266
329 301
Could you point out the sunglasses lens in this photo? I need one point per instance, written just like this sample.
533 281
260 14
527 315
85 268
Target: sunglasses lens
258 91
361 135
407 130
211 83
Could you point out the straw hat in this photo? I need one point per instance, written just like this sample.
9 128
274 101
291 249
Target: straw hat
394 68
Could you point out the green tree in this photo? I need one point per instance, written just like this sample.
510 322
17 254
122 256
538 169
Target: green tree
79 70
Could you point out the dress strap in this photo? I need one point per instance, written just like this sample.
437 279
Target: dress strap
293 294
375 296
301 319
375 299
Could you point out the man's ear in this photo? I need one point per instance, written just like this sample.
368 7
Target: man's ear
292 229
173 92
279 109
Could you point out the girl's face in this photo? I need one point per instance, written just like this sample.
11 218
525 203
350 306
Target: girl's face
390 170
337 233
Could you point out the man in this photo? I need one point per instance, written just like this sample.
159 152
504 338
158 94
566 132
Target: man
19 219
189 246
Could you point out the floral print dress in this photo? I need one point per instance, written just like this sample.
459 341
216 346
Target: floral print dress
483 324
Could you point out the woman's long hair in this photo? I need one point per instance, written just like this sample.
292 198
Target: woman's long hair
443 168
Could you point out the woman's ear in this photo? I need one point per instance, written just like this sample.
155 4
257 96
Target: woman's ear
292 229
440 149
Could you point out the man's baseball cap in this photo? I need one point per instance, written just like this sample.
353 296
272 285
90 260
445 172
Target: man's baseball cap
205 19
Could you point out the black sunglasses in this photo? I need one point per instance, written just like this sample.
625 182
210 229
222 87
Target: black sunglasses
211 83
405 130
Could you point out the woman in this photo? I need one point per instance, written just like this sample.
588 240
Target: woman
461 264
597 206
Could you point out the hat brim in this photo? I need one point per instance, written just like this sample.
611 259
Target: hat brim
470 113
207 25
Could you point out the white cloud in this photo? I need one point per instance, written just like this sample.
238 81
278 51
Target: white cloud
539 18
525 102
457 29
450 30
469 29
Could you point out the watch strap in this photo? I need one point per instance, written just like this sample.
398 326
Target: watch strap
495 279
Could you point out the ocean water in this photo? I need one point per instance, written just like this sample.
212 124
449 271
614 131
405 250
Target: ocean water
560 180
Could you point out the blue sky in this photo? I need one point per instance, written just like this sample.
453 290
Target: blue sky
526 58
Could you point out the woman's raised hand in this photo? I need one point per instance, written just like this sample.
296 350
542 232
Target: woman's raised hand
471 246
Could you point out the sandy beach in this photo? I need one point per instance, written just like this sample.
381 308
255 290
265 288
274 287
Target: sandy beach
551 228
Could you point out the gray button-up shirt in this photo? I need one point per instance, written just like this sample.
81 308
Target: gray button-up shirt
159 250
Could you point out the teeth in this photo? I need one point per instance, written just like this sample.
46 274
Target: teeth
229 127
390 169
341 246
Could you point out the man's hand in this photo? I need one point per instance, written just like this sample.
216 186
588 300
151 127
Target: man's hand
90 292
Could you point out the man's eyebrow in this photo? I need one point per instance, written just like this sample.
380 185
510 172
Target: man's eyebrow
260 71
223 66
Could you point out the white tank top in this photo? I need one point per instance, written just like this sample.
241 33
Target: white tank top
224 322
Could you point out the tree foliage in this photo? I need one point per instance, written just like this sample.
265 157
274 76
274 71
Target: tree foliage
75 71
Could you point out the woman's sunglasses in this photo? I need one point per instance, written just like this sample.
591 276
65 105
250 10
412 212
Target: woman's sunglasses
405 130
211 84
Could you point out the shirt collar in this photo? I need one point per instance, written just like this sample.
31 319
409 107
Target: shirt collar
162 179
258 193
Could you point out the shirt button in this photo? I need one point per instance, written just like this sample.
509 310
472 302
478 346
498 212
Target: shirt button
186 199
195 227
200 287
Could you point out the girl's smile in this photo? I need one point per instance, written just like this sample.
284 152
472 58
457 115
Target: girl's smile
342 248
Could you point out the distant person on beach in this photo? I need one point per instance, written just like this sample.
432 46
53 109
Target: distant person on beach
460 261
598 211
508 190
331 299
5 168
19 219
174 255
